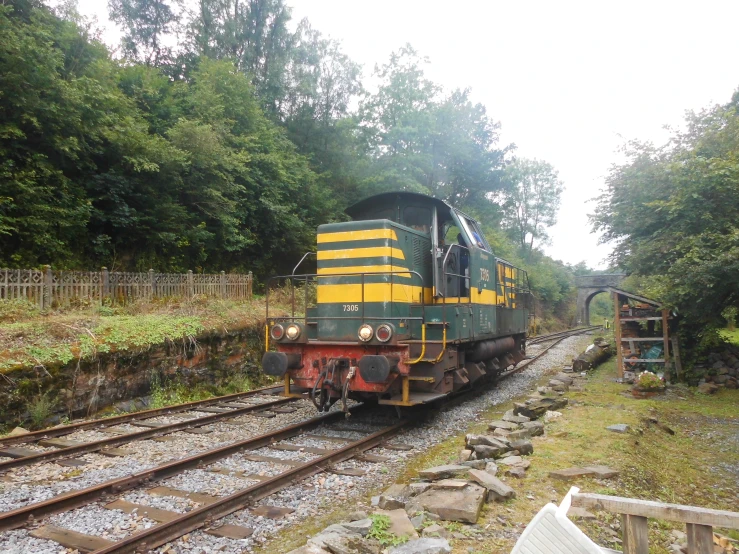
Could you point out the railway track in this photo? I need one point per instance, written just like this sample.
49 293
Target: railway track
297 440
561 335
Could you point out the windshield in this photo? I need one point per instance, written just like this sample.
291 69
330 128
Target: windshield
473 233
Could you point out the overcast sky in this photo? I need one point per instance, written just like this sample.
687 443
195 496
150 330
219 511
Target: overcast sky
568 81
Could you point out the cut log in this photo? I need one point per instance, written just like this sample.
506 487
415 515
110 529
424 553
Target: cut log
595 354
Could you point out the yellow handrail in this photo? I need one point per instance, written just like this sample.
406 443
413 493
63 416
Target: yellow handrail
423 345
266 337
443 347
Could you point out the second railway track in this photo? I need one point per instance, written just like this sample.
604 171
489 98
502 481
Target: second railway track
302 449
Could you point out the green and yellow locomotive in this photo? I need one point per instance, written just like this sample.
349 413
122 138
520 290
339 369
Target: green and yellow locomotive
408 305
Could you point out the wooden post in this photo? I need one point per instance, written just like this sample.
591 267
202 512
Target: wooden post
105 280
152 284
617 332
666 343
47 292
700 538
190 284
676 355
250 285
635 537
223 284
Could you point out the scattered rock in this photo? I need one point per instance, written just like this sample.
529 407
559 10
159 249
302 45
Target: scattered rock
462 505
415 489
309 549
17 431
464 455
510 461
707 388
483 451
491 468
449 484
423 546
487 440
535 428
497 489
524 447
500 424
618 428
538 408
360 527
500 432
603 472
520 434
518 472
476 464
356 516
551 416
435 530
393 498
570 474
400 524
443 472
509 416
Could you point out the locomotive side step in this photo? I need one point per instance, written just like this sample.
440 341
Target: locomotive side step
414 398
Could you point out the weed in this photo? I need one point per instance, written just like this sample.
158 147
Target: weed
40 409
17 308
380 531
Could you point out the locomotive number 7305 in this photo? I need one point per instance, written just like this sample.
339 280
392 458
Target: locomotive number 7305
484 274
351 307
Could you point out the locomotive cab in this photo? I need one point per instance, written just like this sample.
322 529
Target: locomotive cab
410 305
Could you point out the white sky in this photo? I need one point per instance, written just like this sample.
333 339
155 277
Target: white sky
569 81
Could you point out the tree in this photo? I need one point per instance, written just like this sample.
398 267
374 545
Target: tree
671 212
531 197
146 24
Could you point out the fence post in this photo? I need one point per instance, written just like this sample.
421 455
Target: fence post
223 285
47 292
249 286
105 280
152 284
190 285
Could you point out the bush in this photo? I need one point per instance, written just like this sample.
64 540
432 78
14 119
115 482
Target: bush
15 309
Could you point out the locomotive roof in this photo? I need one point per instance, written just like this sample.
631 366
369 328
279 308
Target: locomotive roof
389 198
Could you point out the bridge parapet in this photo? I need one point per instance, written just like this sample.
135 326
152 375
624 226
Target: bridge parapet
590 285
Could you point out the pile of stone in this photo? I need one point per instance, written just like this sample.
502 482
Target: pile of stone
720 370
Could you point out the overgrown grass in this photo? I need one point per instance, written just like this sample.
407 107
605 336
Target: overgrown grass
40 410
177 392
32 338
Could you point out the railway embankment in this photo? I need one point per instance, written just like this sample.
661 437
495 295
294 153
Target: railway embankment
57 365
679 447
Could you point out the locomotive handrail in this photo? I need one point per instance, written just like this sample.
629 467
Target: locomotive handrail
301 261
444 262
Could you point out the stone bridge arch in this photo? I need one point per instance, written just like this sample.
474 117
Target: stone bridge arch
590 285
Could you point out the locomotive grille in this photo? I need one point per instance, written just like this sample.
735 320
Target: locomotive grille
421 256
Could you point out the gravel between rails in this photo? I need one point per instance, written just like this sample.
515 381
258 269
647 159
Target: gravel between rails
308 498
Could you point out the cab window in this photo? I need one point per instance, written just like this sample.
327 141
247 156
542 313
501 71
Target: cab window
417 218
475 235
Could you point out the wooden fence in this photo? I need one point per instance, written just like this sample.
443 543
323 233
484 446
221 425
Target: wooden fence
48 288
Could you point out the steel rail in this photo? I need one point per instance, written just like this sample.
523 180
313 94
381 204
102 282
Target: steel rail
74 499
190 521
563 334
523 365
134 416
95 446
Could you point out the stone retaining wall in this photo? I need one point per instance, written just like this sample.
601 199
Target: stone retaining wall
86 386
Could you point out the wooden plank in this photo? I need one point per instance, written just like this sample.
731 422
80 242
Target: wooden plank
397 446
271 460
113 431
200 497
17 452
657 510
71 462
617 330
231 531
214 410
666 344
198 431
635 534
283 410
265 415
635 318
372 458
300 448
71 539
151 424
641 339
58 443
327 438
700 539
656 360
149 512
236 404
272 512
113 452
351 471
676 355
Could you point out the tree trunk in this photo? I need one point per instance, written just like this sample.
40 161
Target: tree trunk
595 354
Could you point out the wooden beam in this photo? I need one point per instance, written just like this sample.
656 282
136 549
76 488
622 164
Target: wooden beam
676 356
666 343
617 330
700 539
635 534
658 510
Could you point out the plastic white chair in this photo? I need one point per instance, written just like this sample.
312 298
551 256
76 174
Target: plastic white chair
550 532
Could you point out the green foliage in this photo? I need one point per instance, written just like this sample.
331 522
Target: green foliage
16 309
649 381
379 531
40 409
671 211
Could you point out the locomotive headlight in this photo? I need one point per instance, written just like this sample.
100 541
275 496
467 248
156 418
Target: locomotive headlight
384 332
293 331
277 332
365 332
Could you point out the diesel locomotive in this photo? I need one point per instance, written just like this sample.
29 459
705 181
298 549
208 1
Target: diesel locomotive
408 305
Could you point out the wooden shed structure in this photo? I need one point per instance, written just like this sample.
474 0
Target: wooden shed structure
642 330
